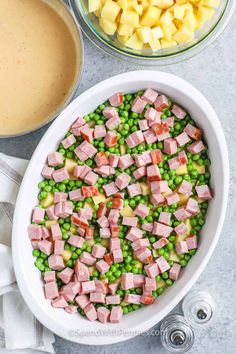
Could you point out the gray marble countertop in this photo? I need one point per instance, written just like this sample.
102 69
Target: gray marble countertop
213 72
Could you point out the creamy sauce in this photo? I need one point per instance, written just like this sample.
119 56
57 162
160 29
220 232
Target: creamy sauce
38 64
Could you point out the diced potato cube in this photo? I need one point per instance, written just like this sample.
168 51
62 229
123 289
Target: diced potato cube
157 32
179 11
135 6
123 4
168 31
110 10
122 147
107 26
49 223
182 199
66 255
180 2
200 168
127 211
190 21
70 164
130 17
105 242
122 39
99 199
205 13
145 188
166 18
97 13
144 34
183 35
134 42
46 202
94 5
173 256
182 170
168 44
211 3
187 233
162 4
161 284
125 30
155 44
150 16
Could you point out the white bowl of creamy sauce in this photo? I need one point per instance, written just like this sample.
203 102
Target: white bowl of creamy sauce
40 63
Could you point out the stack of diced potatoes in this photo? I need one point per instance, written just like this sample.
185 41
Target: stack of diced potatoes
154 24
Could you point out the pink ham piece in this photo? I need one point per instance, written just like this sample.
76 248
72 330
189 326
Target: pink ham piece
170 146
45 233
113 160
76 241
182 139
50 211
172 198
162 242
71 309
163 265
55 159
82 301
203 192
59 247
101 159
88 149
173 163
164 218
114 244
38 215
116 99
157 199
103 314
66 275
150 284
78 170
141 243
158 187
91 178
86 258
144 255
196 147
50 276
143 124
192 206
117 256
80 154
97 297
181 247
185 188
132 299
161 103
181 214
181 229
116 314
101 287
161 230
168 121
81 271
152 270
104 171
138 105
174 271
56 262
80 121
87 287
110 112
178 111
113 216
87 133
140 172
85 213
60 197
122 181
134 234
47 172
89 233
153 173
105 232
70 290
113 123
56 232
134 189
149 136
149 96
137 137
110 189
191 242
142 210
51 290
182 157
113 288
110 139
127 281
98 251
102 266
67 142
90 312
138 280
113 300
193 132
148 226
125 161
60 175
102 210
130 221
99 131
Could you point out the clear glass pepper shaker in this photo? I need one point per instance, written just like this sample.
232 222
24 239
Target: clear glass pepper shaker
198 308
176 334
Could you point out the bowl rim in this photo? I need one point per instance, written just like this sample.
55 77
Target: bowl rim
75 86
24 286
168 59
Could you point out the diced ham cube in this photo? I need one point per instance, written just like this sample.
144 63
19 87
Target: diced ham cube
181 247
79 122
191 242
150 136
193 132
161 103
174 271
127 281
172 198
59 247
101 159
45 246
85 213
86 258
158 187
97 297
103 314
60 175
162 242
182 158
138 137
59 212
116 99
47 172
104 171
80 154
87 287
55 159
88 149
113 300
178 111
132 298
89 233
91 178
90 191
152 270
110 189
113 216
163 265
170 146
51 290
182 139
156 156
67 142
129 221
142 210
181 229
196 147
113 123
78 170
66 275
162 230
50 276
76 241
192 207
153 173
173 163
181 214
169 121
87 134
138 280
140 172
60 197
185 188
99 131
157 199
117 256
134 234
164 218
114 244
113 288
150 284
103 222
38 215
81 271
117 203
203 192
82 301
90 312
148 226
50 211
71 309
143 124
122 181
101 286
113 160
56 232
45 233
102 210
111 139
149 95
141 243
110 112
138 105
134 189
116 314
79 222
102 266
147 299
144 255
70 290
125 161
56 262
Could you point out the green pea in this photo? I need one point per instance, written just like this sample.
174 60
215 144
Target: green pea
36 253
160 291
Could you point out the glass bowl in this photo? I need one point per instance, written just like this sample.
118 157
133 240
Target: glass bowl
203 37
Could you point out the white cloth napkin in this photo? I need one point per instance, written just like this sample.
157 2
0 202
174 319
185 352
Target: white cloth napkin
20 331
